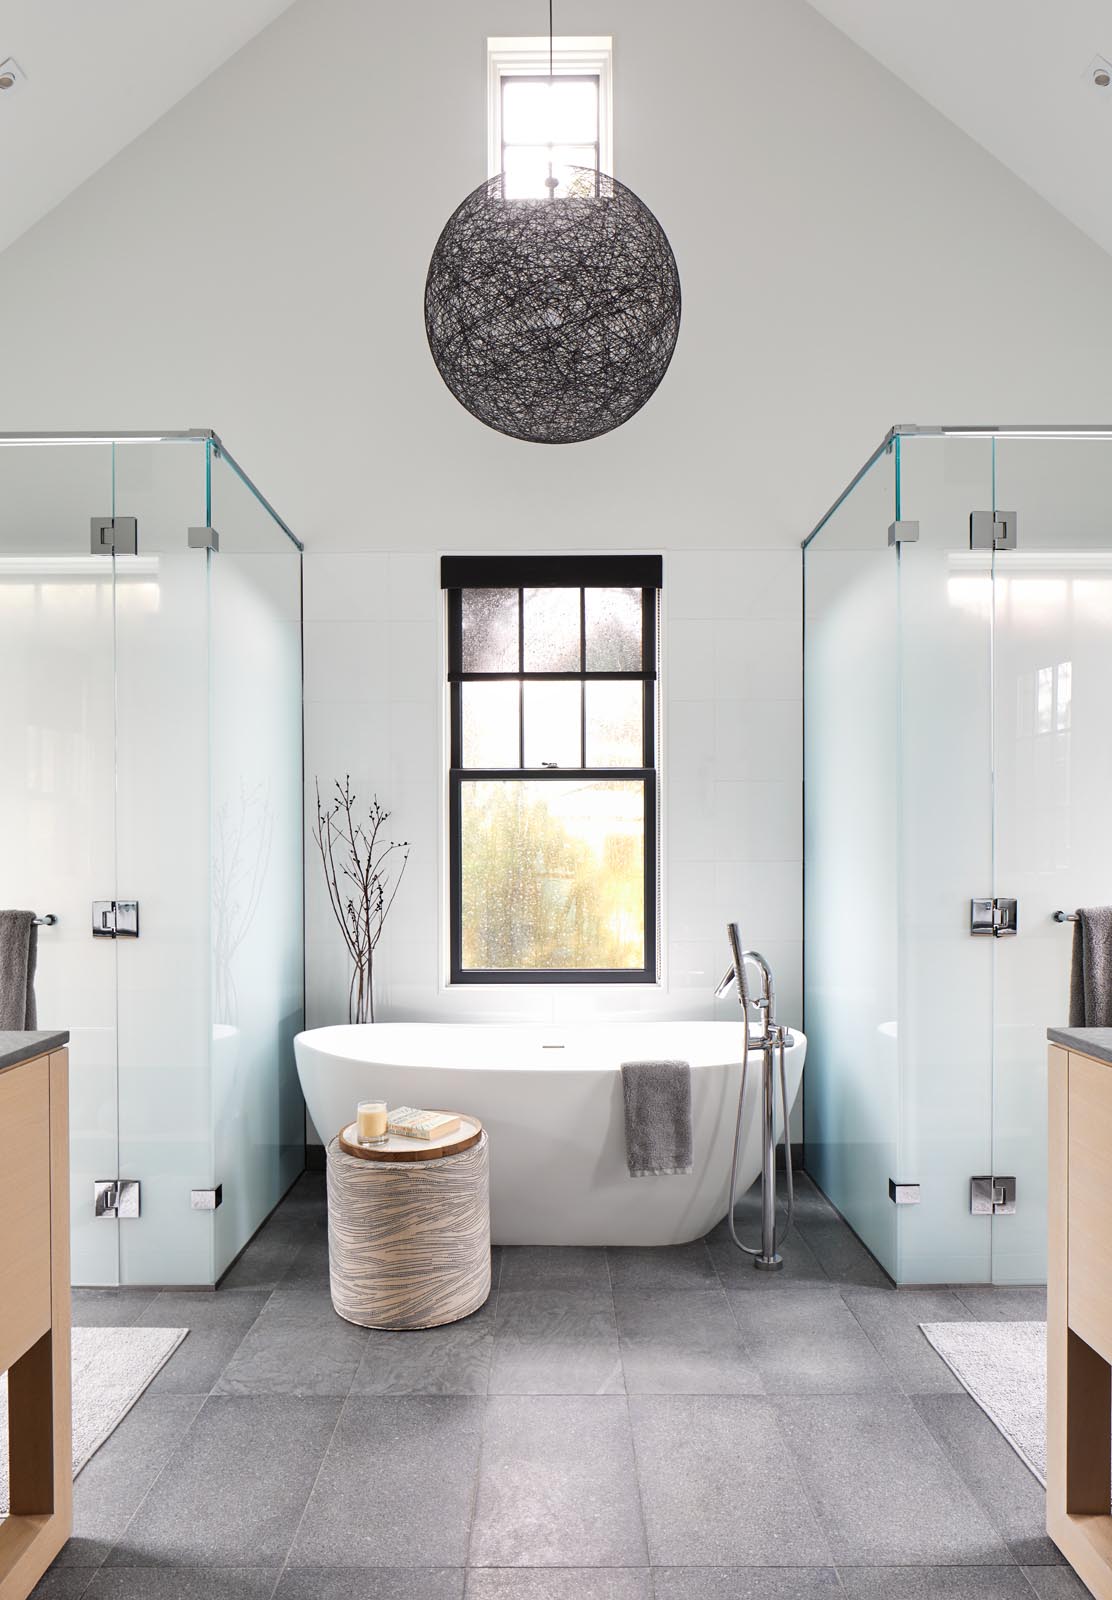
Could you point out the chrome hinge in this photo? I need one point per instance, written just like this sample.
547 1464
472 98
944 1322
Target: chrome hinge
115 919
114 536
203 539
116 1197
903 532
206 1199
993 530
992 1197
998 917
903 1194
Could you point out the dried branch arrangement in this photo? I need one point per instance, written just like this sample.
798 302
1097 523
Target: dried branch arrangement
363 871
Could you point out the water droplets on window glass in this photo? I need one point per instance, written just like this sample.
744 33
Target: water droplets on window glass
490 630
553 875
491 723
552 630
615 724
614 627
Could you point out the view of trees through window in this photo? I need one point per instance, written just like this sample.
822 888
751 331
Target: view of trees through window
553 817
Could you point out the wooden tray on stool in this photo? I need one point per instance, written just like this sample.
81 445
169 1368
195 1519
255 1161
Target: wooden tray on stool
467 1135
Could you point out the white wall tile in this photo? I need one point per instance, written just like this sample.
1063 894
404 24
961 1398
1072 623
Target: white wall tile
346 661
414 588
758 739
757 821
687 661
757 584
351 588
758 660
413 661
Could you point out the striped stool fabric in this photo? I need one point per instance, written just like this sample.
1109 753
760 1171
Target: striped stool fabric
408 1241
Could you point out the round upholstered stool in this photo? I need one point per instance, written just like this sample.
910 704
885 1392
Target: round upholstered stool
408 1241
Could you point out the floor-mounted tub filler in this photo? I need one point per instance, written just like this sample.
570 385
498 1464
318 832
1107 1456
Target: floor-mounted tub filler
551 1101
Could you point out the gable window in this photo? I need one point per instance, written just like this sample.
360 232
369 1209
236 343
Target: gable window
553 774
539 123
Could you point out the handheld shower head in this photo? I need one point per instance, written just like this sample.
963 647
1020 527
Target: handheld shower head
735 973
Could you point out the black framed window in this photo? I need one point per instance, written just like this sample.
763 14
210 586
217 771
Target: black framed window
553 786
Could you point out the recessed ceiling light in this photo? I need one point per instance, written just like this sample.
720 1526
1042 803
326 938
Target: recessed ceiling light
1100 72
12 76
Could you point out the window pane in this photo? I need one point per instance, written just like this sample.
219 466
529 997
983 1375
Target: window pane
537 112
614 622
525 171
553 875
491 713
552 630
615 724
553 717
490 634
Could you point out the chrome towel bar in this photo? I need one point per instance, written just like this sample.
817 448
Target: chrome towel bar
46 922
1065 916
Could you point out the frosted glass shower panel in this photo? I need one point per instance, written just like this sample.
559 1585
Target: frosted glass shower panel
57 826
945 859
850 848
257 995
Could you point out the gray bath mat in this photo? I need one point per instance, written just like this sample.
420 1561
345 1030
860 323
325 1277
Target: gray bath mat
111 1368
1003 1366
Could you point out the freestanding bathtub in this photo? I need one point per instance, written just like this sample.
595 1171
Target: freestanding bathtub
551 1101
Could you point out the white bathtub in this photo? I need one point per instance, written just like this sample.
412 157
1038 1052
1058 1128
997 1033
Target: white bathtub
551 1101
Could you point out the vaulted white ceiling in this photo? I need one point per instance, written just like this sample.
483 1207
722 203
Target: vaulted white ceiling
1015 76
98 73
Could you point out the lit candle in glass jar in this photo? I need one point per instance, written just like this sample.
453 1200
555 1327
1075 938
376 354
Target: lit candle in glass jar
370 1122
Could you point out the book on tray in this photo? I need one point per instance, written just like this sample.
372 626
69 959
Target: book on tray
407 1122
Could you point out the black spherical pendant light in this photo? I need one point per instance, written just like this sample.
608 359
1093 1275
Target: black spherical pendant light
553 320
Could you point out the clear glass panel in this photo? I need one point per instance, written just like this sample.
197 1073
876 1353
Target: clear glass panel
57 787
614 630
852 1019
552 875
553 724
542 111
1053 760
257 953
615 724
162 860
945 801
491 723
552 626
490 630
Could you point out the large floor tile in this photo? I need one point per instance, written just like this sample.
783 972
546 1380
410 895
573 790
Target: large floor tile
934 1583
217 1325
746 1583
557 1485
676 1266
297 1345
717 1485
110 1308
270 1253
309 1267
62 1583
559 1583
397 1485
993 1303
1008 1491
891 1319
232 1493
735 1269
1056 1583
556 1341
682 1343
843 1257
182 1583
808 1343
370 1583
454 1359
884 1491
112 1486
553 1267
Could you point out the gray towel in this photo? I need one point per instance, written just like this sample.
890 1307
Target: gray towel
1091 973
657 1116
19 945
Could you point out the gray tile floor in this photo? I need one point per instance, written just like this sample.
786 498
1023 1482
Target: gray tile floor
613 1425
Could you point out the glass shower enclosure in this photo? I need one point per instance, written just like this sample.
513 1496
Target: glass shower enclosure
151 810
957 768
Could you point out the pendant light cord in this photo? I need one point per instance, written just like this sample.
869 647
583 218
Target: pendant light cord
550 71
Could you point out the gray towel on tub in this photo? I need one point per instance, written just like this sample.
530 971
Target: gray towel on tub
1091 973
657 1116
18 952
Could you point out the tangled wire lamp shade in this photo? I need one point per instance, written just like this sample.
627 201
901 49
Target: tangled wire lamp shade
553 320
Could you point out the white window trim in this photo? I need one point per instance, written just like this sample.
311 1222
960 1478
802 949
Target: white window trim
508 57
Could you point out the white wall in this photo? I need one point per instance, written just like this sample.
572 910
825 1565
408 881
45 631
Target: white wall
255 263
